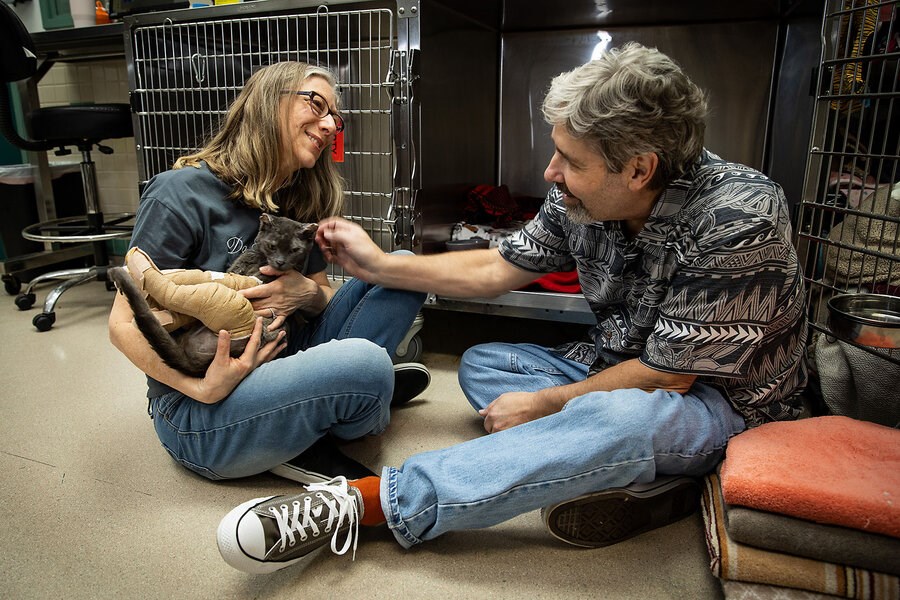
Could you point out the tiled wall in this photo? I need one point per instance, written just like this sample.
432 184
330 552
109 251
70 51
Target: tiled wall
99 82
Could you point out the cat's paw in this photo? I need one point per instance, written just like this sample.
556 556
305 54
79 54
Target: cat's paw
138 262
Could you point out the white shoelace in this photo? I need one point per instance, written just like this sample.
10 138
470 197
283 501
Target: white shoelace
304 519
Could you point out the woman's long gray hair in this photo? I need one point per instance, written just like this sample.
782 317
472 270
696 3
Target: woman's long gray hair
630 101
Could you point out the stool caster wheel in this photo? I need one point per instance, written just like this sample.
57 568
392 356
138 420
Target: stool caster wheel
12 284
25 301
413 351
44 321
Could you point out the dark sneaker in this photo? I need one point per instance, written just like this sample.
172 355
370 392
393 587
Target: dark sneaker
321 462
410 380
614 515
267 534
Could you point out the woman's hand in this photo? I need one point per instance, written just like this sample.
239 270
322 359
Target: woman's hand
288 293
513 408
225 373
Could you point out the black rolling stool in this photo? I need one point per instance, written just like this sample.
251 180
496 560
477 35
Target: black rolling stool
81 126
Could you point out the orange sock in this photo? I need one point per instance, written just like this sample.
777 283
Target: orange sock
370 488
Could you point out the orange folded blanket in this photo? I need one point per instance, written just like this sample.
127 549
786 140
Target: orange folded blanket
832 469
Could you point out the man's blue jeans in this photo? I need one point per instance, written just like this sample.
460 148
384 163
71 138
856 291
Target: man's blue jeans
335 377
599 440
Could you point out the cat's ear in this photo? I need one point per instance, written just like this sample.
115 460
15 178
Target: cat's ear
309 231
265 219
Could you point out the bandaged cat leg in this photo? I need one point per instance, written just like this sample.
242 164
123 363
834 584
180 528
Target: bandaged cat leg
136 262
205 295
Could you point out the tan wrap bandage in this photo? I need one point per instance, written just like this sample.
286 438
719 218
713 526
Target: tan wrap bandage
208 296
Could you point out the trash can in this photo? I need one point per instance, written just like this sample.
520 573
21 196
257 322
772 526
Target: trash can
18 205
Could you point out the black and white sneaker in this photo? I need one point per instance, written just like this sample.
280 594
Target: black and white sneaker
267 534
410 380
617 514
321 462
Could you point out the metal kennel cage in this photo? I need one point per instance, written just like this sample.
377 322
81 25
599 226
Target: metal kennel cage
185 68
847 227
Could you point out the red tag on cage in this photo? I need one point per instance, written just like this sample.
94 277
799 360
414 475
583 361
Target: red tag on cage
337 148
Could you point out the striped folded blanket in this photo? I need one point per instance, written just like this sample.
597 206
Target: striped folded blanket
739 590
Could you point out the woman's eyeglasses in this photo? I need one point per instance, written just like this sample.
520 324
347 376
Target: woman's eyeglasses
319 107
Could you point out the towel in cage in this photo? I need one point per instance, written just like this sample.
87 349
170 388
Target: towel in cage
566 282
468 231
502 216
848 189
859 266
857 383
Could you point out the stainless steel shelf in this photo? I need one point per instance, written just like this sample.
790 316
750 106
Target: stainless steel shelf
569 308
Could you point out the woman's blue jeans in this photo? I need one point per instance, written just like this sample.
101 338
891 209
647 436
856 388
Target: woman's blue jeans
335 377
599 440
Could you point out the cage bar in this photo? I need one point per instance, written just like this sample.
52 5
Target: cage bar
848 227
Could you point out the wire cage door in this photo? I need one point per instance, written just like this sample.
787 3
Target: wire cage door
847 227
186 74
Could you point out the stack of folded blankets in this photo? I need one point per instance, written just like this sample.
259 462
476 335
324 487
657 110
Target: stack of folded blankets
807 509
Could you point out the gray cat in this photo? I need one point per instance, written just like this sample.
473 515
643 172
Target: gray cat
281 243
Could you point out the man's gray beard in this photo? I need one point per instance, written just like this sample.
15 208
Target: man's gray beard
579 215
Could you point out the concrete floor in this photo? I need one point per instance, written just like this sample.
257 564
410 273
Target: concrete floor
93 507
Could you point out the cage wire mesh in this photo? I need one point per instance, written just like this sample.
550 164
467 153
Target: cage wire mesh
187 74
848 233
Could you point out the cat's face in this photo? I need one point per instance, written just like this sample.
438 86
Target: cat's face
285 243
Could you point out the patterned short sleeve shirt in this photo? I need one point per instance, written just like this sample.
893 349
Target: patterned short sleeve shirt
710 287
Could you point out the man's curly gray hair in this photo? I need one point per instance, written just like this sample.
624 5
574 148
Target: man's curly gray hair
630 101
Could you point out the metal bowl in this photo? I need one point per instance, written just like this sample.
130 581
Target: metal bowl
866 319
